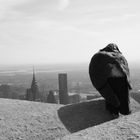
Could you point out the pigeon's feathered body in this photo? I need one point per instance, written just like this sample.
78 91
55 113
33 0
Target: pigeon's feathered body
105 64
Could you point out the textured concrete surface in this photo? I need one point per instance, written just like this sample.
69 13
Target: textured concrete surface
124 128
25 120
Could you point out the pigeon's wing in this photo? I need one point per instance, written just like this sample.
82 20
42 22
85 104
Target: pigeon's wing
101 67
99 70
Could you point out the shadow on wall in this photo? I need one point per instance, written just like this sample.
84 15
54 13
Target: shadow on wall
83 115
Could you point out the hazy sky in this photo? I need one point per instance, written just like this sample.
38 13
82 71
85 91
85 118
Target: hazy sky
59 31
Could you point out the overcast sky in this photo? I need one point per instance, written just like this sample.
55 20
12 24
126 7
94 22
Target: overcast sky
63 31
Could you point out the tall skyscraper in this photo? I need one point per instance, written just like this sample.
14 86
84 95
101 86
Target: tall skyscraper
33 93
63 89
34 88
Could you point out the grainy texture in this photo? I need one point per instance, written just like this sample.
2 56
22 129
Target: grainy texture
123 128
24 120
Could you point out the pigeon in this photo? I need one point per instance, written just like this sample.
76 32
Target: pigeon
110 75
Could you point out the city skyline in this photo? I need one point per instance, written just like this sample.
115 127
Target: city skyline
66 31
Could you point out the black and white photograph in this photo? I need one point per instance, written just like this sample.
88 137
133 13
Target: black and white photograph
69 70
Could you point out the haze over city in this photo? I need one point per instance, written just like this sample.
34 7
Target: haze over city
50 88
66 31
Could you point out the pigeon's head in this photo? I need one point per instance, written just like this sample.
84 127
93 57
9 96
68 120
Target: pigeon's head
111 48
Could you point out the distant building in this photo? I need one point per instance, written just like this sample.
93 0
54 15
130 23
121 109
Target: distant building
5 91
14 95
90 97
32 94
74 98
29 95
51 97
63 89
